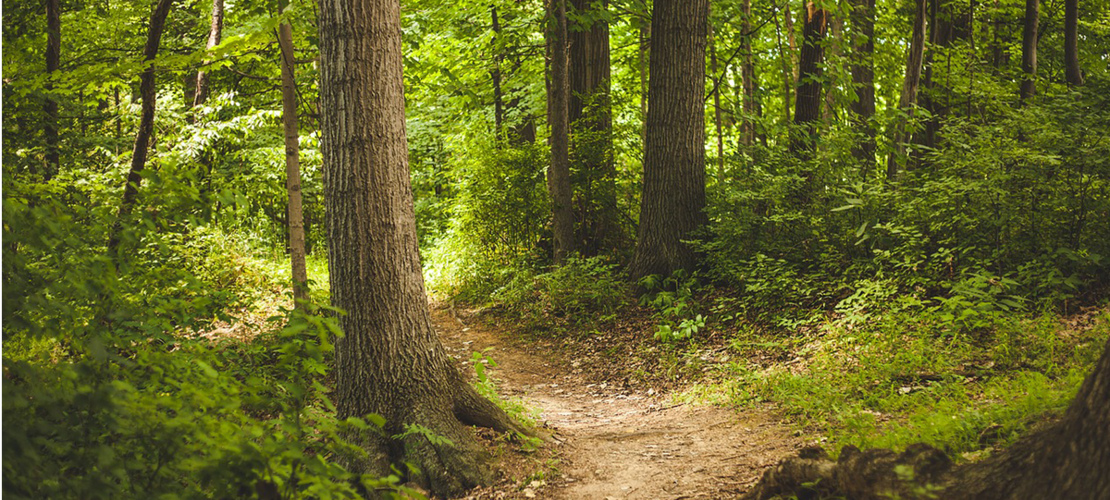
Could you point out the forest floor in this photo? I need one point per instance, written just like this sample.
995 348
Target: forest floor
608 439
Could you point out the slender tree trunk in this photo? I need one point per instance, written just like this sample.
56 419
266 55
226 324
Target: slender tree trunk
1029 49
933 98
788 23
907 102
389 361
807 101
673 199
747 78
495 72
148 95
787 73
645 39
50 107
558 174
590 116
1071 43
293 165
717 104
214 34
863 78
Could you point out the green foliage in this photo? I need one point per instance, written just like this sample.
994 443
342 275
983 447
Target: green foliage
673 300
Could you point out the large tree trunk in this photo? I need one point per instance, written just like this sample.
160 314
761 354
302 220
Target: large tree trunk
863 78
390 361
674 157
146 124
558 174
50 107
589 113
293 166
1029 49
214 34
908 101
807 100
1068 459
1071 43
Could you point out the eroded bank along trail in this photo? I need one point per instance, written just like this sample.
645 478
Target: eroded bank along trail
622 443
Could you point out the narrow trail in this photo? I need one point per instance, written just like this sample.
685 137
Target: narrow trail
618 443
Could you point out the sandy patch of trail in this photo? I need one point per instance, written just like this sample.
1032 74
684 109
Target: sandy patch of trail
620 443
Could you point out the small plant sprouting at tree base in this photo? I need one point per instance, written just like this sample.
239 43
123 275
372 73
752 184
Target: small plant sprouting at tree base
1068 459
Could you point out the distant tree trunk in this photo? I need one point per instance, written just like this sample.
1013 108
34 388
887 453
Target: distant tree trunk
1029 49
863 78
495 73
1071 43
645 48
747 78
787 72
50 107
717 104
214 34
807 101
908 100
932 98
148 95
590 117
389 361
788 23
674 157
558 175
1000 56
293 165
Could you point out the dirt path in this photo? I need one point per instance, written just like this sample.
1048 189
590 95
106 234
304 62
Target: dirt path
617 443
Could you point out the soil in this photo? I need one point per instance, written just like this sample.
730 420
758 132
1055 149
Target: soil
606 440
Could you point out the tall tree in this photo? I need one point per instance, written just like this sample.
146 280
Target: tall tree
390 361
1071 43
908 100
1029 49
558 173
863 77
933 97
215 32
295 214
674 155
495 72
148 94
807 99
718 125
590 117
50 107
747 78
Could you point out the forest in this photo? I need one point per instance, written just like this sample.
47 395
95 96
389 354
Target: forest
566 249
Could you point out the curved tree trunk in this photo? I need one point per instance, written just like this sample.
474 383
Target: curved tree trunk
146 124
50 107
674 156
1071 43
558 173
1069 459
863 78
908 101
807 100
1029 49
292 166
214 34
390 361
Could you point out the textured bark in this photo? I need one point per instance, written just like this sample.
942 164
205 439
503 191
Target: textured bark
1067 459
292 165
1071 43
1029 49
863 78
807 100
214 34
908 101
590 117
50 107
674 157
390 361
558 174
148 94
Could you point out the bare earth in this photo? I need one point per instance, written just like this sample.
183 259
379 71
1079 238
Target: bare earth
615 442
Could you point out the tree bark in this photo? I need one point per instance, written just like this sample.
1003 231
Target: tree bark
293 166
590 117
908 101
1067 459
1071 43
1029 49
863 78
147 92
390 361
50 107
558 174
807 100
214 34
673 199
